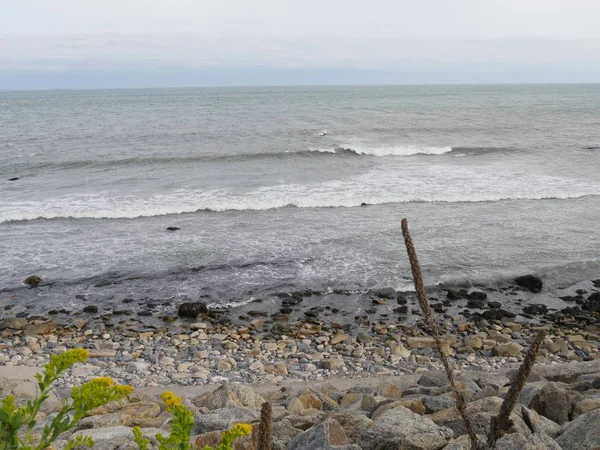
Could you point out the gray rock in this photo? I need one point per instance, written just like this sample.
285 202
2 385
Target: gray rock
536 441
327 435
538 423
480 411
554 402
230 395
434 404
223 419
13 323
401 429
581 434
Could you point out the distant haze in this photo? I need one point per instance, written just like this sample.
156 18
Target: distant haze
134 43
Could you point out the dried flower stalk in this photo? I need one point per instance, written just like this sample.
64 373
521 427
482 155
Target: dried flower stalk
501 423
461 404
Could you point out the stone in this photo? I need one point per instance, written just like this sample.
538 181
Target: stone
434 404
324 436
421 342
538 423
13 323
390 391
536 441
497 314
223 419
480 411
530 282
192 309
41 328
33 280
355 425
474 342
213 439
401 429
91 309
338 339
310 401
350 398
332 364
102 353
535 309
583 433
508 349
554 402
415 405
230 395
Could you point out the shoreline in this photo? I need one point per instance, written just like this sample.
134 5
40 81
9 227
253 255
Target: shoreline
298 336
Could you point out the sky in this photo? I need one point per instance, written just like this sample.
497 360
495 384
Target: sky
155 43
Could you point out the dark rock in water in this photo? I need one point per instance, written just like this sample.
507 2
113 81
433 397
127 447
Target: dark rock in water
144 313
401 310
122 312
128 300
497 314
596 283
494 305
257 313
13 179
454 294
592 147
535 309
92 309
291 301
402 300
478 295
581 291
312 313
286 310
173 228
530 282
476 304
32 280
217 313
225 321
592 303
438 307
364 204
569 298
192 309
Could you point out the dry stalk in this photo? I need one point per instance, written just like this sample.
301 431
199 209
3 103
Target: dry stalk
461 404
501 423
265 428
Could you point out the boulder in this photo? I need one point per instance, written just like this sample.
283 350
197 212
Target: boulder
583 433
230 395
592 303
33 280
13 323
531 283
497 314
536 309
480 411
536 441
356 426
508 349
554 402
326 435
437 403
402 429
223 419
538 423
192 309
310 401
119 437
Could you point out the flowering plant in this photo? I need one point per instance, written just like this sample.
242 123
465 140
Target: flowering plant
17 423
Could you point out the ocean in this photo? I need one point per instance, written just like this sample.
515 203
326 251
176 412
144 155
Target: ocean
279 189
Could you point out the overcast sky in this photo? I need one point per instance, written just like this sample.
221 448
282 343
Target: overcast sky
135 43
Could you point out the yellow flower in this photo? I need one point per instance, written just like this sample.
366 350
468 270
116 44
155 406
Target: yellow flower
123 390
105 381
170 399
242 429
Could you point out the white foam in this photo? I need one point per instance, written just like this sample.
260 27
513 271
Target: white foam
389 151
429 183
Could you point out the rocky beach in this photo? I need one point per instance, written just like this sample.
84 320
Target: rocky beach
359 373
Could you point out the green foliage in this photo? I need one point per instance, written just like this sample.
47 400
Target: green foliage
17 423
181 429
